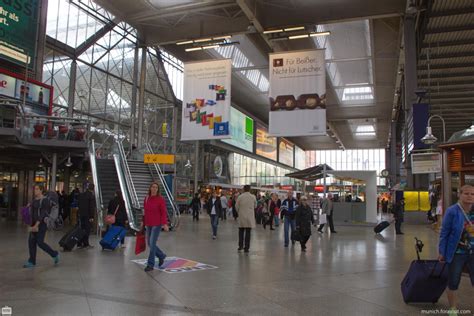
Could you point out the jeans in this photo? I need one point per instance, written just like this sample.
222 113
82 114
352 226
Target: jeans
398 226
224 214
195 214
289 222
86 226
277 220
152 233
455 270
214 224
244 231
37 239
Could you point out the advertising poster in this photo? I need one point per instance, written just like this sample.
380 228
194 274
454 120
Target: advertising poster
266 145
241 130
206 100
18 25
297 93
286 150
300 158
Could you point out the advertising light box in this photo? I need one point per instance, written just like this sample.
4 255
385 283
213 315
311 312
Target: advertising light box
241 130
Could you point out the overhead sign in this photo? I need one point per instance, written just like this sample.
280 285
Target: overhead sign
241 130
206 100
286 151
18 28
35 93
297 93
300 158
266 145
425 163
158 158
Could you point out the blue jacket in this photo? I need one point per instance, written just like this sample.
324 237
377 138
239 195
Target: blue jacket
453 225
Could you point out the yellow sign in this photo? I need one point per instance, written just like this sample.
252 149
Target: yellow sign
159 158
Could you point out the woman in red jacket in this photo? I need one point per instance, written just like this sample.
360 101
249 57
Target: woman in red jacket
155 217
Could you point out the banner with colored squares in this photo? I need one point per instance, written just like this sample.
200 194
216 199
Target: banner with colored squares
178 265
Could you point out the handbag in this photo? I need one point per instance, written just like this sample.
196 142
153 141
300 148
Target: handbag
322 219
140 243
110 218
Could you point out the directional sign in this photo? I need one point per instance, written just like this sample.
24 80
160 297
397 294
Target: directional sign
159 158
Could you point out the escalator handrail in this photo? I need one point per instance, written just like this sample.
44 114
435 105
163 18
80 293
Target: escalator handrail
128 176
126 197
98 193
165 185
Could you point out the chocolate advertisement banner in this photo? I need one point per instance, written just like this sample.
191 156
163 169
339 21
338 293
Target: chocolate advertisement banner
206 100
297 93
266 146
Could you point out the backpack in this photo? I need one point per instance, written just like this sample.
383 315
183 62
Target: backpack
52 199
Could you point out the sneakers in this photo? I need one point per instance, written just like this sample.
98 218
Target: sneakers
214 236
28 265
56 259
148 269
161 261
240 249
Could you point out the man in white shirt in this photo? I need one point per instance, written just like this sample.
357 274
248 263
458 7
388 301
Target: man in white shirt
224 206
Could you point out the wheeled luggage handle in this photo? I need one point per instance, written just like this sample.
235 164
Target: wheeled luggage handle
434 268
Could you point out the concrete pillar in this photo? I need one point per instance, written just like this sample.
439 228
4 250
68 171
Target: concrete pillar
72 88
22 189
54 168
174 145
41 39
196 167
393 154
141 98
67 179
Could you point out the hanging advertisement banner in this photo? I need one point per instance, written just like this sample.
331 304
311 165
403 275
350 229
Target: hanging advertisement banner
241 130
297 93
300 158
206 100
266 146
285 153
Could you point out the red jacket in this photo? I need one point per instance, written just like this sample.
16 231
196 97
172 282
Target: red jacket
155 211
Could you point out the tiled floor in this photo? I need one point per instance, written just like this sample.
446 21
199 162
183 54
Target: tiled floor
351 273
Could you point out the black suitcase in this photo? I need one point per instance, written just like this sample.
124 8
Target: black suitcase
70 240
381 226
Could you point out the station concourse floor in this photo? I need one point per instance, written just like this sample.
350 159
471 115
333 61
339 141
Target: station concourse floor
351 273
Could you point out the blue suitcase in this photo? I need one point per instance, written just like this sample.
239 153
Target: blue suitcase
112 237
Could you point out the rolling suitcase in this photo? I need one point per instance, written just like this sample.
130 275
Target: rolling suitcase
112 237
381 226
425 280
70 240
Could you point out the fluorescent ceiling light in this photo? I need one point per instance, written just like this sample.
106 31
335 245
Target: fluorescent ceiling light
319 34
184 43
298 36
193 49
202 40
296 28
272 31
211 46
357 84
221 37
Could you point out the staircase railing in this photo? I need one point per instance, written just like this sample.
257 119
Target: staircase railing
174 220
132 222
98 193
128 176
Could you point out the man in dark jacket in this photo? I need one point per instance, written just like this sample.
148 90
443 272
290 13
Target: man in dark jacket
214 209
87 208
399 210
196 206
289 206
304 218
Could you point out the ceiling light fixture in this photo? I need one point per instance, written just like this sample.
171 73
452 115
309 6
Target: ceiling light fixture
320 34
188 164
184 43
357 84
202 40
193 49
210 46
221 37
68 162
272 31
298 36
296 28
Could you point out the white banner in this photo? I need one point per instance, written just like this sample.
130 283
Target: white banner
297 93
425 163
206 100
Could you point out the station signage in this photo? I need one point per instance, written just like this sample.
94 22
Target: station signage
425 163
286 152
266 146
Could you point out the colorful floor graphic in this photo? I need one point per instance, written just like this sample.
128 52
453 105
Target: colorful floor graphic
178 265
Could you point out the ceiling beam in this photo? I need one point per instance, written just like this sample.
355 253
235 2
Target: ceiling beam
435 102
459 11
442 83
448 75
249 10
468 27
447 43
343 113
453 96
446 66
448 55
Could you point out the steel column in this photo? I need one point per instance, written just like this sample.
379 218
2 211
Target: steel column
141 98
54 168
196 167
134 97
72 88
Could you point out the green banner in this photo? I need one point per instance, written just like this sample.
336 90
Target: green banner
18 28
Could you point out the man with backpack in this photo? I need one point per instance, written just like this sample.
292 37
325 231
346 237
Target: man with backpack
289 206
87 208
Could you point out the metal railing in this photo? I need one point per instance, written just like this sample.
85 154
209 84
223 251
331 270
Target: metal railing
175 219
98 193
126 197
52 127
128 176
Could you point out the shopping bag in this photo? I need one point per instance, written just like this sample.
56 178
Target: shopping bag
140 243
322 219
